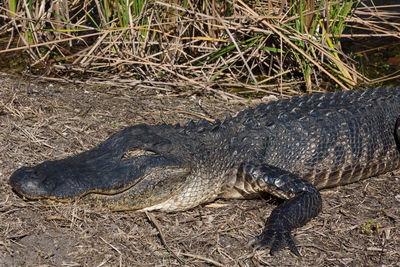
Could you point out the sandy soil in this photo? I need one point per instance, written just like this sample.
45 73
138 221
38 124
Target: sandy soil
359 225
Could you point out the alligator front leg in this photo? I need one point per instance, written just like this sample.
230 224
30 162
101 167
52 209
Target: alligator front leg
303 203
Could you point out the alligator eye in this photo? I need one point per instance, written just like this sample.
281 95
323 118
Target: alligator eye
136 152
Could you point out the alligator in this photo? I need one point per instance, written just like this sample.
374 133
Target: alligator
290 148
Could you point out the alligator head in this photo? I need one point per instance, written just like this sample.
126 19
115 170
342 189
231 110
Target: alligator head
139 161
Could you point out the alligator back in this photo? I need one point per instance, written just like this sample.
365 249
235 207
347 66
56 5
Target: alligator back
330 139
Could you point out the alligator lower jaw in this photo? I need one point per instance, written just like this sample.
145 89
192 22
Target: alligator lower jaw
45 199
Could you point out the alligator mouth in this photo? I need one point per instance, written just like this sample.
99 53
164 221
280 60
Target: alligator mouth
27 184
87 173
129 184
135 161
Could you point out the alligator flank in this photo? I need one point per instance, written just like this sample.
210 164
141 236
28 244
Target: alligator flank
289 148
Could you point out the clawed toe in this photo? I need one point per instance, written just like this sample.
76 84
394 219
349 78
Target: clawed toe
275 240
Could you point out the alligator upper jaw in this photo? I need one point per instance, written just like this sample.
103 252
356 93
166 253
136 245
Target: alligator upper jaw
36 183
122 186
109 168
68 179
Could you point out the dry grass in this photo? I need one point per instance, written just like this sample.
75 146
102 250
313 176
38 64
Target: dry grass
240 47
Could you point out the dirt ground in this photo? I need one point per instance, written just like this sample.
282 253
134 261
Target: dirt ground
359 225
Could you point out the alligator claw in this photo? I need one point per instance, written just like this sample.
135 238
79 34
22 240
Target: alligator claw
275 240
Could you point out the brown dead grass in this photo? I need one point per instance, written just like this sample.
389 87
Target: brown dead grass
43 121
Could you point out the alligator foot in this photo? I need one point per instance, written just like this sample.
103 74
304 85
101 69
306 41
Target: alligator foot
275 239
304 203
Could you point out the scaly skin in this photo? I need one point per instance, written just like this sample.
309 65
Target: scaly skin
288 148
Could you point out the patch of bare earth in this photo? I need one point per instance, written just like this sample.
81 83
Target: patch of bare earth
359 225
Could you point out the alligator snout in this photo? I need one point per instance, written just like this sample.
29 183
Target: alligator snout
27 182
